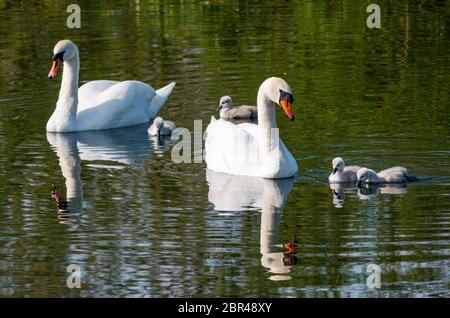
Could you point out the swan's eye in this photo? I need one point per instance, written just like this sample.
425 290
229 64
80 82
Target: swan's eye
286 95
59 56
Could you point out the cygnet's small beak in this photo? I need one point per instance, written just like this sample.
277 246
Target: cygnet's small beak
358 183
220 107
335 170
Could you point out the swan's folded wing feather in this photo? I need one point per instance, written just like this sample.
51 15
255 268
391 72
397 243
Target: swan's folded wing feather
123 104
231 148
250 128
94 93
89 92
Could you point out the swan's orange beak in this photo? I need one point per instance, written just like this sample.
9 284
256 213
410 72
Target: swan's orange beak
54 70
286 104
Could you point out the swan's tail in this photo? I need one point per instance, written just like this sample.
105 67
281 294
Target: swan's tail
159 100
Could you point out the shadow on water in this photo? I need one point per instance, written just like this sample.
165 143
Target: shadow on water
233 193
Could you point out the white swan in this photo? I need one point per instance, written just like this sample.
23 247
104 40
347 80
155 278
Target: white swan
99 104
341 173
391 175
249 149
161 127
227 111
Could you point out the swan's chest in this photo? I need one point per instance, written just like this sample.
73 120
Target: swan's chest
61 122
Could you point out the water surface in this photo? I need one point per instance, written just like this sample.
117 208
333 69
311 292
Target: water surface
142 226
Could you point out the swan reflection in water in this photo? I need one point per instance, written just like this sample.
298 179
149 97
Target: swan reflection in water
112 149
234 193
367 192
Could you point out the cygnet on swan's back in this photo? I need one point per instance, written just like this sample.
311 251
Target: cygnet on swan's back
227 111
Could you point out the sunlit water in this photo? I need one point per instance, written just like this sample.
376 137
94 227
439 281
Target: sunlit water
140 225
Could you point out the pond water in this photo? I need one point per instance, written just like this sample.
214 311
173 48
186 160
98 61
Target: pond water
140 225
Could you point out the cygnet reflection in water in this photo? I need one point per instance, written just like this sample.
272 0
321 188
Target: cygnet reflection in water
364 193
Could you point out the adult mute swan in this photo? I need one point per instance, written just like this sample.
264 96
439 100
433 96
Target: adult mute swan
227 111
341 173
99 104
391 175
250 149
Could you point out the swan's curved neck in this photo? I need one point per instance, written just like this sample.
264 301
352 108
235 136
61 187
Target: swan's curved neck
269 138
266 110
68 94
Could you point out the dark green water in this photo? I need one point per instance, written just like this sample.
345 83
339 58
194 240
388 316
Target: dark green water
147 227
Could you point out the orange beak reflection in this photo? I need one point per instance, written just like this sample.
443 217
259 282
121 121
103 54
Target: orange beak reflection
54 70
287 108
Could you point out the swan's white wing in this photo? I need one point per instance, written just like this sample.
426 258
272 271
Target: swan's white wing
231 148
89 92
234 149
160 98
280 164
250 128
111 104
122 104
